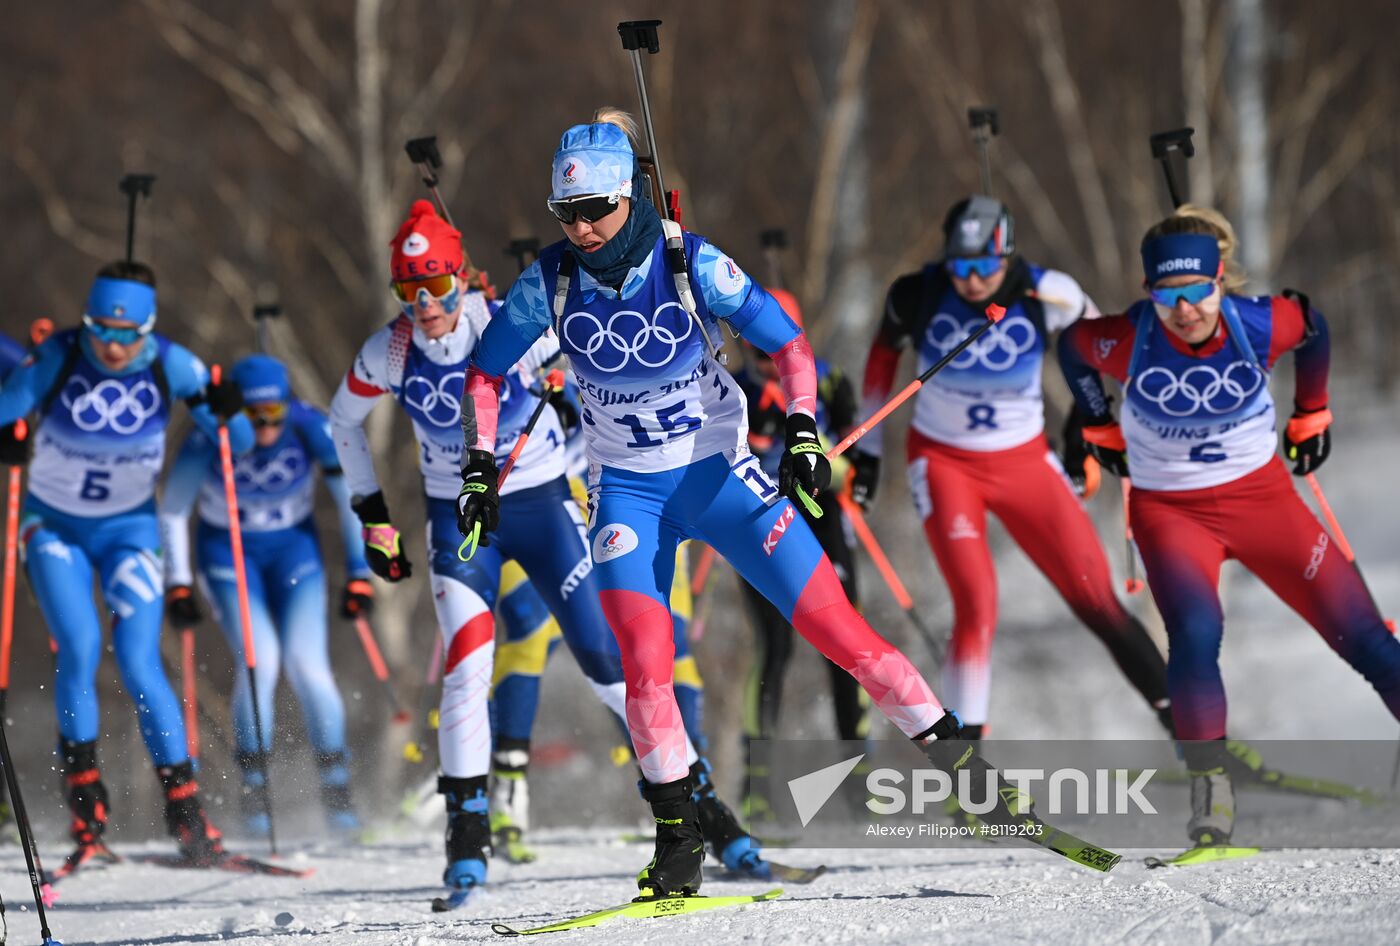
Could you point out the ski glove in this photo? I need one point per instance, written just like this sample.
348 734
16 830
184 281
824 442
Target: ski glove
383 545
14 451
478 504
225 399
1103 439
1307 440
357 599
1080 466
865 479
804 470
182 607
567 410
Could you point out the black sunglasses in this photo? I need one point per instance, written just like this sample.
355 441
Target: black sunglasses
591 208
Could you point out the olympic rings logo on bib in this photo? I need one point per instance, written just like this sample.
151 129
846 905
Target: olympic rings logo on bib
273 473
997 350
629 335
436 402
110 403
1200 387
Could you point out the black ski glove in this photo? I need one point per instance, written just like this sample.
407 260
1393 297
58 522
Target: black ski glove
13 450
1103 439
383 544
479 504
865 479
1307 440
225 399
565 407
356 599
182 607
804 464
1080 466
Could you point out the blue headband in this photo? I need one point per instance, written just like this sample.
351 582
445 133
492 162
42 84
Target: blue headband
593 159
1180 254
126 299
262 378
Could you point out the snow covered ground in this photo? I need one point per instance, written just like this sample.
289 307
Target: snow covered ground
380 895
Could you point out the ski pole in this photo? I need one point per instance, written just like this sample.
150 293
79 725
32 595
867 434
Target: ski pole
887 572
700 602
7 628
376 663
1132 584
985 125
994 314
235 537
412 749
1163 143
190 688
1342 542
133 186
7 618
554 381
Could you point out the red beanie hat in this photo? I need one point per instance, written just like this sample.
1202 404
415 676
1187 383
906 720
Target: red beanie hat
426 245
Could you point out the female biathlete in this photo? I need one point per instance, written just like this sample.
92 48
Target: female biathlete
286 580
666 432
421 358
1197 435
977 445
103 394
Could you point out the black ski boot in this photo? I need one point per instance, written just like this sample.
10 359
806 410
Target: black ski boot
947 746
468 831
680 848
252 795
87 800
335 793
200 842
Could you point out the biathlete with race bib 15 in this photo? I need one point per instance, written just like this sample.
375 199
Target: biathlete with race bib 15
1196 432
977 445
666 431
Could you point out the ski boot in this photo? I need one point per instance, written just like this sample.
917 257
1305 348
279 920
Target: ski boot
200 842
730 844
252 797
468 832
335 793
952 808
954 752
510 802
87 800
674 870
1212 794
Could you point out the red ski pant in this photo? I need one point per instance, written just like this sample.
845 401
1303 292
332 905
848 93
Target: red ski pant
1260 521
1026 488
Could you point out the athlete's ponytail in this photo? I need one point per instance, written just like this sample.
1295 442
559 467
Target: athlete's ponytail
1207 221
612 115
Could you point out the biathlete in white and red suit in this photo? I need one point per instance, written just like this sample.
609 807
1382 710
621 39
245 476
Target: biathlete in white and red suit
977 445
1197 434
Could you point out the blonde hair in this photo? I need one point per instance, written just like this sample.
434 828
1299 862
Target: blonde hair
1207 221
612 115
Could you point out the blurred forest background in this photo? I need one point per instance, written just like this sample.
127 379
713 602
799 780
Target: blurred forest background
276 128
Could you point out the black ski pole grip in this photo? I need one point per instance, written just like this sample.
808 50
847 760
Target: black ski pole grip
776 238
270 311
1178 139
424 151
984 116
640 34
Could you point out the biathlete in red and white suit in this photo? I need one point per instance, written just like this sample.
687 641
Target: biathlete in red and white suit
1197 434
977 445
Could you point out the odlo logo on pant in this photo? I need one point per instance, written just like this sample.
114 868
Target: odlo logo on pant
779 529
1315 560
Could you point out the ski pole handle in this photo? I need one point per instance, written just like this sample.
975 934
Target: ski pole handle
994 315
7 617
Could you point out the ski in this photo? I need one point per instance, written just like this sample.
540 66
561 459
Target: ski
83 855
234 863
1205 854
794 875
453 900
1284 783
1073 848
661 906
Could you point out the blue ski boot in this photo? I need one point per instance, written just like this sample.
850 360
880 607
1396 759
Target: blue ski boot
468 838
335 793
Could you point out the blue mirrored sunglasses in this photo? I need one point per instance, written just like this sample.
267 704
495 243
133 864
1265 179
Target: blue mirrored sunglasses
120 336
964 266
1192 294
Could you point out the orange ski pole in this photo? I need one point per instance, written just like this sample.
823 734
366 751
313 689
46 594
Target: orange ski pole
190 687
7 619
376 664
1132 584
1342 542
